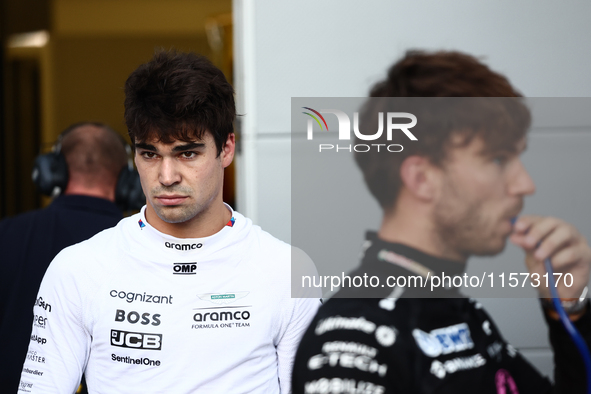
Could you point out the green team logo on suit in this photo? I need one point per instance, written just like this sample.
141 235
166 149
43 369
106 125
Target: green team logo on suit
223 298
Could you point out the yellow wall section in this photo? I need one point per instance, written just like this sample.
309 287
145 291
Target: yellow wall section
126 17
89 75
97 43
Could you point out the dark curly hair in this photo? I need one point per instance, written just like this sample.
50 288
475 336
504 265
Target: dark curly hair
467 99
179 96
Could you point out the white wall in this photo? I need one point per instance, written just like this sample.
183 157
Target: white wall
340 48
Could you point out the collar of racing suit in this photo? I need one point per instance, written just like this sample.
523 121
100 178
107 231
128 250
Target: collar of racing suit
411 259
386 258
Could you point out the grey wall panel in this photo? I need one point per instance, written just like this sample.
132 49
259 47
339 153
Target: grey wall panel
273 162
339 48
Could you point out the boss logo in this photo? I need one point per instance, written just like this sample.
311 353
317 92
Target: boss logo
136 340
184 268
134 317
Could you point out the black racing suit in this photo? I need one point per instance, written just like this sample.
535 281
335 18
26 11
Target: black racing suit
28 243
421 345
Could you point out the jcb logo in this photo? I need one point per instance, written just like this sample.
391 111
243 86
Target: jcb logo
184 268
136 340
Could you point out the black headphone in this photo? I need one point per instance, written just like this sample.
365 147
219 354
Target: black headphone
50 174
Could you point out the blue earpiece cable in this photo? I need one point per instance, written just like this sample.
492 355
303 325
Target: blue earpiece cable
568 325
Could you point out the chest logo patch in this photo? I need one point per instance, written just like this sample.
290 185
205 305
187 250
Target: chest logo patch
223 298
444 340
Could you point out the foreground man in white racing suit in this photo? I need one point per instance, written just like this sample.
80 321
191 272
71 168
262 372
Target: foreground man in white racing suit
449 195
188 295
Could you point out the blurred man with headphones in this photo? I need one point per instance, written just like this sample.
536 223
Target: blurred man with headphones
89 176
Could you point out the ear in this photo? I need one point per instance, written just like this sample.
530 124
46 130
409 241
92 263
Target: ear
227 153
419 177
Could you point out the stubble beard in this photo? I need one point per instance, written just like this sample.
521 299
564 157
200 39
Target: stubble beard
175 213
462 229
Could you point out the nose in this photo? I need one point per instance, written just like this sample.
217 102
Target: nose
168 174
521 183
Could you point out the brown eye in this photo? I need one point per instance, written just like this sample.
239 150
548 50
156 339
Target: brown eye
188 155
148 155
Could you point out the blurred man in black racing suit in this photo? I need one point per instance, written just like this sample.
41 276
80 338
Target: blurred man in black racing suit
453 193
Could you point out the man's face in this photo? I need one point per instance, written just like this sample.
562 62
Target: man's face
478 196
182 180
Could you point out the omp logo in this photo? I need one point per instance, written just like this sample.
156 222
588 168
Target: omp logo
444 340
345 130
171 245
133 317
42 304
184 268
136 340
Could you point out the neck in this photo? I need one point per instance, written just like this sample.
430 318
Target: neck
100 192
411 226
202 225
